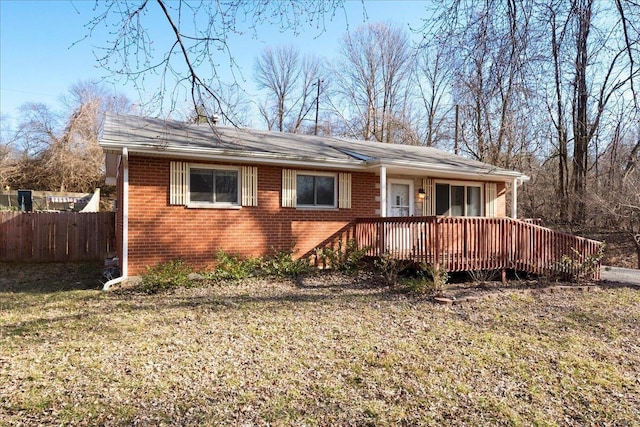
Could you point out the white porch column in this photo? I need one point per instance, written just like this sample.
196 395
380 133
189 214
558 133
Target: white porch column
383 191
514 205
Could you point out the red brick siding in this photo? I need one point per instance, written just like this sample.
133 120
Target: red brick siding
159 232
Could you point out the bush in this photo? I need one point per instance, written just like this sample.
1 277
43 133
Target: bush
344 258
391 268
585 266
165 276
428 280
282 264
231 267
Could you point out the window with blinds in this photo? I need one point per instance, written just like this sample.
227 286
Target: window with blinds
201 185
302 189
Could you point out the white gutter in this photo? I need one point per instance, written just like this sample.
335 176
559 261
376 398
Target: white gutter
125 223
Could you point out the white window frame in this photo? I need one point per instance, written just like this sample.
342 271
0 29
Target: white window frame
464 184
314 174
216 205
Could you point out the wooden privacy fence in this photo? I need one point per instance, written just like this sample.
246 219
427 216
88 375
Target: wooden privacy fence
467 244
56 236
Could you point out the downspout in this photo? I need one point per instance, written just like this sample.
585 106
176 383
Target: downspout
383 191
125 222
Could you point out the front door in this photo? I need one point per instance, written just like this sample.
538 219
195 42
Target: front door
399 240
399 197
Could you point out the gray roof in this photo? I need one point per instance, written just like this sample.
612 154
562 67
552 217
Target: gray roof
171 138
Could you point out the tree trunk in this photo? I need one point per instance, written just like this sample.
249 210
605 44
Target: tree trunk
580 121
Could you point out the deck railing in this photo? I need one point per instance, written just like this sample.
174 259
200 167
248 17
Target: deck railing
467 244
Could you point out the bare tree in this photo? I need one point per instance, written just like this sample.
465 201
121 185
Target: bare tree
8 153
590 59
62 153
237 105
198 44
433 80
617 203
292 85
541 83
487 51
234 101
557 105
372 75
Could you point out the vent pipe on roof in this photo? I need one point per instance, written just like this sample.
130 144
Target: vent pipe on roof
214 119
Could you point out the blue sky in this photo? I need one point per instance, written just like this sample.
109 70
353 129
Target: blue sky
42 51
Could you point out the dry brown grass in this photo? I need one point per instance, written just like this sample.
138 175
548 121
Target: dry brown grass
330 353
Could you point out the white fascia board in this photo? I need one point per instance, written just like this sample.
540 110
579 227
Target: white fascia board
448 171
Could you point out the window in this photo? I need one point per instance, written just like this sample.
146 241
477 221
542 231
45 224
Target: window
306 189
458 200
213 186
316 190
473 206
204 186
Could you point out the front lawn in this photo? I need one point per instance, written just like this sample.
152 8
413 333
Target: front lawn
333 353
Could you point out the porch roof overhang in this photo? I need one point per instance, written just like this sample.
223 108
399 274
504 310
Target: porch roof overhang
190 142
489 173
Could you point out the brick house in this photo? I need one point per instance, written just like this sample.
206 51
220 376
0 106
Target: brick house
187 190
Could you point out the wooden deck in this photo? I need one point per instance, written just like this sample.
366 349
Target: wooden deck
467 244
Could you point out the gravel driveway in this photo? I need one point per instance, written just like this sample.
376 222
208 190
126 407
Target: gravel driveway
621 275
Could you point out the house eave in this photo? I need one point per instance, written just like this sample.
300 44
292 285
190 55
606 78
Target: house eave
449 172
232 156
393 167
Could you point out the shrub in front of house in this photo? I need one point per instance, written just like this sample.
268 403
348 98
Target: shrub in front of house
427 280
229 268
282 265
232 267
345 257
165 276
391 268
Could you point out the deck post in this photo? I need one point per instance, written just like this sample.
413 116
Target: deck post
436 245
383 191
514 207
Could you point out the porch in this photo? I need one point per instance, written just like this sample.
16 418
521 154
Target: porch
476 243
